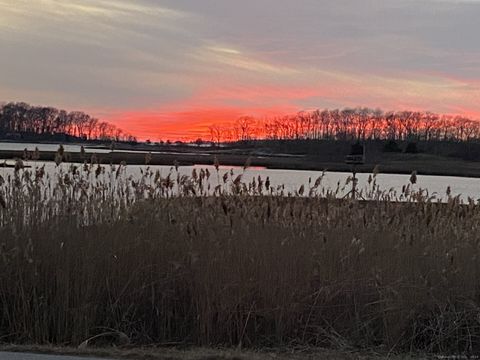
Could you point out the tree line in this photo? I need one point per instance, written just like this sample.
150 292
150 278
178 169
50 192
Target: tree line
19 118
351 125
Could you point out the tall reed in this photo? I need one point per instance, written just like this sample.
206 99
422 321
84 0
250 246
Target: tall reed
213 260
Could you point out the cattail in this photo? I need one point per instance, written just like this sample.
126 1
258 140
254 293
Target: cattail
117 173
168 182
237 179
19 165
148 158
157 176
301 190
39 173
413 177
260 183
58 159
36 154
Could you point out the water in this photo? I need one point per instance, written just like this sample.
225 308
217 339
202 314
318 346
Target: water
291 179
294 179
16 146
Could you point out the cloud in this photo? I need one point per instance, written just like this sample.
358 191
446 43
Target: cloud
97 9
81 21
90 53
235 58
475 2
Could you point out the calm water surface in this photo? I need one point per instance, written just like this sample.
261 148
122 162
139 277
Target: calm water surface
15 146
291 179
294 179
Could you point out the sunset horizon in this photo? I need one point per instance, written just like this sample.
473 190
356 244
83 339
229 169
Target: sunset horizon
170 69
189 126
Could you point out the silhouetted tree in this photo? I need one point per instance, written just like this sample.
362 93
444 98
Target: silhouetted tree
21 118
352 124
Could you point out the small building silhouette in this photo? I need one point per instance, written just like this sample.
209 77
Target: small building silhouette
356 155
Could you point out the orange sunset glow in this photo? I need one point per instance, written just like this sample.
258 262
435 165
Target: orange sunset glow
186 125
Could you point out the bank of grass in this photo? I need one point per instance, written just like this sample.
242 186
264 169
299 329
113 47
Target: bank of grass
90 257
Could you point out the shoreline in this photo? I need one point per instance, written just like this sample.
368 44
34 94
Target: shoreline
422 164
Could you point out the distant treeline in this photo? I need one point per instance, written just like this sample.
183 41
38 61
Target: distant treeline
352 124
21 120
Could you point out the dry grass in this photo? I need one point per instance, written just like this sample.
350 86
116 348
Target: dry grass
172 260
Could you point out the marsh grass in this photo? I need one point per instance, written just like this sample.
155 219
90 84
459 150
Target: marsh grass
171 259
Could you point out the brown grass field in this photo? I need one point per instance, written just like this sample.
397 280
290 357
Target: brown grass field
91 257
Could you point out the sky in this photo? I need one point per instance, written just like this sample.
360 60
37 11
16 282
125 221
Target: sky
168 69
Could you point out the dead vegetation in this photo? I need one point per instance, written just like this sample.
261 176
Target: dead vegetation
211 260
